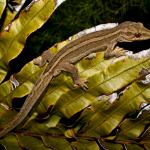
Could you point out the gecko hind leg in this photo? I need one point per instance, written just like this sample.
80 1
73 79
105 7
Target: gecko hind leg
68 67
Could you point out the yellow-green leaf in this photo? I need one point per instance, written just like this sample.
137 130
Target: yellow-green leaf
10 143
2 7
13 40
103 122
85 145
33 143
133 127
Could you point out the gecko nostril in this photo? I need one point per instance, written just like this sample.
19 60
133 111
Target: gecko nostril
137 35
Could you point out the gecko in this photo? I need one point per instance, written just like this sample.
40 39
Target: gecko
64 60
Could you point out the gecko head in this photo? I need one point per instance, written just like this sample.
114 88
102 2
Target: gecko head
134 31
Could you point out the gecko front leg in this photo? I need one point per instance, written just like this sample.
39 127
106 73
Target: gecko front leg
114 51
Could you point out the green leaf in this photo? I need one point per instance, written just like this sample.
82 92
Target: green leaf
56 143
133 146
33 143
13 40
3 71
114 146
2 6
145 138
85 145
9 17
103 78
104 121
26 78
132 128
10 142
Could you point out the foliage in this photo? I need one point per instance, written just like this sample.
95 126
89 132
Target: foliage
68 118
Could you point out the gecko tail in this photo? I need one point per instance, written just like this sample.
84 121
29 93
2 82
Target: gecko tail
11 125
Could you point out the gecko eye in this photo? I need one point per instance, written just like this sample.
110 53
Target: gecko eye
137 35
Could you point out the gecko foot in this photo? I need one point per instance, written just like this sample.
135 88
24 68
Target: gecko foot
117 52
81 83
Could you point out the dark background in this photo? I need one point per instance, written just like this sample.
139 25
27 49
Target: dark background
76 15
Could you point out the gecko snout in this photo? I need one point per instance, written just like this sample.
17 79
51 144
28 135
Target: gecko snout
144 33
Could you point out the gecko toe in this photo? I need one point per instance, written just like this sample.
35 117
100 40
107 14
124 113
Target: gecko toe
81 83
